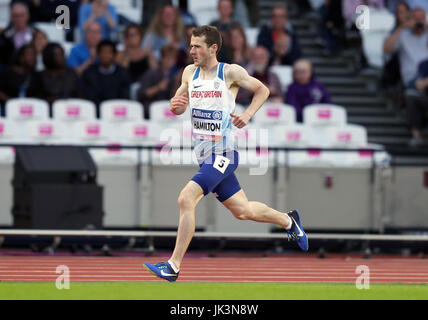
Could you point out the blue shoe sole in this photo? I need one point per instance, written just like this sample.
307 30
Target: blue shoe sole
155 274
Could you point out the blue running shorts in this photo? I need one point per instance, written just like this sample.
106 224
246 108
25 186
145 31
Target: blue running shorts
216 175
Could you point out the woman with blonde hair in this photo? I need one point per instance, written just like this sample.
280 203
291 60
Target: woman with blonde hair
166 28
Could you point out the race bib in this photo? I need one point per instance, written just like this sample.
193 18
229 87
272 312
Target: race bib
207 124
221 163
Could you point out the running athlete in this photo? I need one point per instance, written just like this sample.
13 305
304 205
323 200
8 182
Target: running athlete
210 89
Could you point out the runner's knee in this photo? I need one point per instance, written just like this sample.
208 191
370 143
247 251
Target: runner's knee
186 200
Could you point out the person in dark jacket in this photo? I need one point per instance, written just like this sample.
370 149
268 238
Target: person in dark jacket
278 39
14 79
105 79
305 89
56 81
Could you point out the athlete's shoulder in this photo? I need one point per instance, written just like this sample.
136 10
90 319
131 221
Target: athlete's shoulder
188 71
234 71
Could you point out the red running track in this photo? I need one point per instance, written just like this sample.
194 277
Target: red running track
225 269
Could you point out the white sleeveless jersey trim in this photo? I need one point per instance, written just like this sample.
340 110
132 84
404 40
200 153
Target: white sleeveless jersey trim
211 103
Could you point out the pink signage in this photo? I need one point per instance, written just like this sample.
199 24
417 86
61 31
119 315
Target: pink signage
324 113
120 111
93 129
26 110
73 111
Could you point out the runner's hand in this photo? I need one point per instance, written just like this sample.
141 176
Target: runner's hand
179 103
240 120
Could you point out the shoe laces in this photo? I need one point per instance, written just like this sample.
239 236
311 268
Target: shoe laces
292 236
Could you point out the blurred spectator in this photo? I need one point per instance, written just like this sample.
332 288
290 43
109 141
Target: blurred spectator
305 89
134 58
239 49
332 24
223 24
280 41
99 11
40 40
166 28
225 12
105 79
17 34
259 69
184 57
57 80
15 78
417 104
411 45
84 54
423 4
391 70
161 83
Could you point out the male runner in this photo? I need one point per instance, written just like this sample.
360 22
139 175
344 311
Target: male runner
210 89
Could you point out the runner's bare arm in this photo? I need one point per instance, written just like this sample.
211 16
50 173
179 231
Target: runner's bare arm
240 77
180 100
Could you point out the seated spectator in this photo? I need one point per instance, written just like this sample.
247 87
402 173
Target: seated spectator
134 58
259 69
105 79
417 104
223 24
84 54
239 48
17 34
14 79
225 12
167 28
305 89
413 4
57 80
99 11
278 39
411 45
332 25
40 40
391 70
160 83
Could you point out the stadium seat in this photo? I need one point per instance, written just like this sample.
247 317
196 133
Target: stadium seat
251 34
273 113
7 135
54 34
121 110
105 133
205 11
74 110
285 75
381 24
159 112
324 115
19 109
45 132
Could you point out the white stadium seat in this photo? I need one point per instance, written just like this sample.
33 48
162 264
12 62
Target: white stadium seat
251 34
324 115
118 110
7 135
285 75
27 109
74 110
160 112
273 113
44 131
54 34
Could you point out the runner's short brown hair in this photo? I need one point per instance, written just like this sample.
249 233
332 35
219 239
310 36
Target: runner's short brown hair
212 35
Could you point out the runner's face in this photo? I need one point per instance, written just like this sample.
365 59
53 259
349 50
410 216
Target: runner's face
199 51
